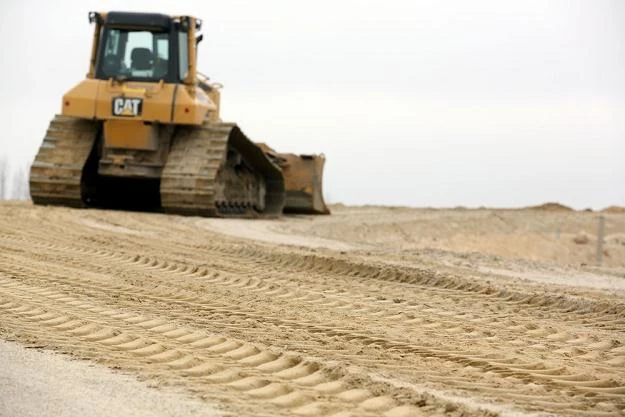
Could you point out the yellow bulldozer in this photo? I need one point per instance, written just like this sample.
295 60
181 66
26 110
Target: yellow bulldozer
143 131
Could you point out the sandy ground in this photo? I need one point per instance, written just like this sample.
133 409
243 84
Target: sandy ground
371 311
36 384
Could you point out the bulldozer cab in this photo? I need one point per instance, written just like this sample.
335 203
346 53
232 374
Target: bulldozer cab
144 47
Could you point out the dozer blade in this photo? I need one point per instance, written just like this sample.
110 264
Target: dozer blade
57 176
215 170
303 179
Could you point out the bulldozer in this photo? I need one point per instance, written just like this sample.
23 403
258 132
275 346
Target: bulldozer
143 132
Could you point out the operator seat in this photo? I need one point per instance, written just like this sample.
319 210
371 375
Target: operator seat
141 59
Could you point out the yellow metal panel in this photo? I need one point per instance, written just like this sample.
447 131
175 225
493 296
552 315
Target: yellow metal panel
160 102
129 134
80 101
156 100
191 105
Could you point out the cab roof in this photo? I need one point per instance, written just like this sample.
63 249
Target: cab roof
155 20
138 19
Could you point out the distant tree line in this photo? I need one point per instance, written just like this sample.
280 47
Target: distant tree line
13 181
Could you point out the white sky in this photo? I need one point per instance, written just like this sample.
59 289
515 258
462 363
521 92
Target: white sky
423 103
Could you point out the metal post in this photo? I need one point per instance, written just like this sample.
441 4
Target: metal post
600 240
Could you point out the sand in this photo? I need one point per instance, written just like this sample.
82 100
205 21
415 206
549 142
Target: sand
371 311
39 383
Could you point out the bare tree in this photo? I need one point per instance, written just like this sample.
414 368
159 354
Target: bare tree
20 184
13 182
4 183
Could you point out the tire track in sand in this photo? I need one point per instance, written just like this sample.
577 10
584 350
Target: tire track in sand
395 321
228 312
209 365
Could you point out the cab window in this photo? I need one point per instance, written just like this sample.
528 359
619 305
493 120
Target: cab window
183 55
140 55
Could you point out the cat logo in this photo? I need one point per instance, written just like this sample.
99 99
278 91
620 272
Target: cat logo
127 106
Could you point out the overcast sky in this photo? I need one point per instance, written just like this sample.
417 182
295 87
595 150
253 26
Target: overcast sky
421 103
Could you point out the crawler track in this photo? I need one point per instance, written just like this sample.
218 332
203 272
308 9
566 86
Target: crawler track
267 330
190 182
57 171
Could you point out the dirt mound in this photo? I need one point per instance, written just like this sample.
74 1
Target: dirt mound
551 206
614 210
336 206
581 238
